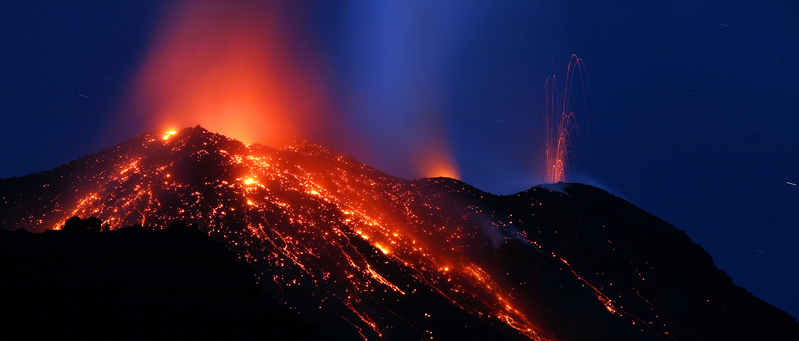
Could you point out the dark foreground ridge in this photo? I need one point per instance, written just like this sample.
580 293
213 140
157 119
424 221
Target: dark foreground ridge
174 283
360 254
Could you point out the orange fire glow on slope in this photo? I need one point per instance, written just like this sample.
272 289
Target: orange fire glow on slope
169 134
307 218
306 223
235 67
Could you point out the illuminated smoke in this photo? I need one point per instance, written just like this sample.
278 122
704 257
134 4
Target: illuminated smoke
237 67
255 71
396 56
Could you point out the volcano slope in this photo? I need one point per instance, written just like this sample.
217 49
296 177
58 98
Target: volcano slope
362 254
131 284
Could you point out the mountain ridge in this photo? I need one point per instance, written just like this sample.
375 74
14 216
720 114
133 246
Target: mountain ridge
132 284
400 259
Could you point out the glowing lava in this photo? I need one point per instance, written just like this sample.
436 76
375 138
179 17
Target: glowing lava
304 217
169 134
560 123
364 253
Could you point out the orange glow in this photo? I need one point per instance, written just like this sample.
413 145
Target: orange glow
169 134
311 239
382 248
440 165
247 70
436 157
236 67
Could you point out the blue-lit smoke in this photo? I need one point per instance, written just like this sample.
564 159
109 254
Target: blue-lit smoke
394 57
421 79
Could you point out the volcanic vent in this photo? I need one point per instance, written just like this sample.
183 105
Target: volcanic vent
363 254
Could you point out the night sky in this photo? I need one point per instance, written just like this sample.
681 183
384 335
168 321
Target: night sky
689 110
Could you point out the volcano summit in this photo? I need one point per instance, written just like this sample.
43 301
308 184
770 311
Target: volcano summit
362 254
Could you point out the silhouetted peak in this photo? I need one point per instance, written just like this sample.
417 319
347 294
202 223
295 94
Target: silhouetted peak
447 185
364 254
76 224
181 226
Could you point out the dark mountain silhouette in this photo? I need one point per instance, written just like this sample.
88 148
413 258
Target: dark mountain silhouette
174 283
362 254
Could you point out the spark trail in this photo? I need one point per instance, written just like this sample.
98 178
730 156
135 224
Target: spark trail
560 122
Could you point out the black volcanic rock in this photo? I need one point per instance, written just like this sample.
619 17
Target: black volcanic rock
652 271
174 283
365 255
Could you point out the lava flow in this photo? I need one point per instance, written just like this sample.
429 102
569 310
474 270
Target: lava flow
362 254
305 218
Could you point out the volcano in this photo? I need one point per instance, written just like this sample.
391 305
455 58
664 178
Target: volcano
365 255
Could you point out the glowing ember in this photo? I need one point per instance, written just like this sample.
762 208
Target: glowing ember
169 134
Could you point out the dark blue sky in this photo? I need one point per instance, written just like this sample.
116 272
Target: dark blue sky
692 108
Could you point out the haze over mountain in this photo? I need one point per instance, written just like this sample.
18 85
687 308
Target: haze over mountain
363 254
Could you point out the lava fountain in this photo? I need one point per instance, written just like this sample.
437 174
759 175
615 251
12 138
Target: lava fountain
560 122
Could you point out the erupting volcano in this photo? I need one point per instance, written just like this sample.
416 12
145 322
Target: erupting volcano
363 254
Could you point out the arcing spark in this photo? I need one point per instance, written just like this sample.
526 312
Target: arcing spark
560 123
